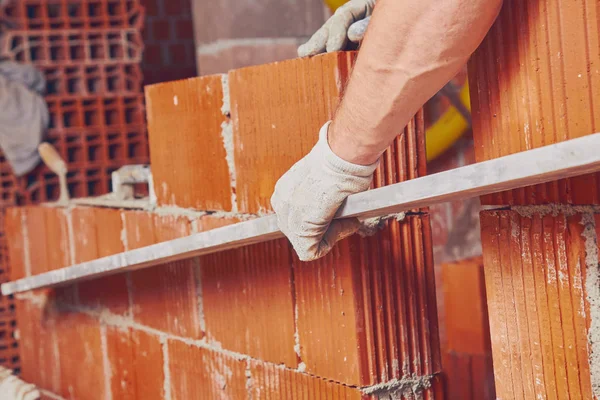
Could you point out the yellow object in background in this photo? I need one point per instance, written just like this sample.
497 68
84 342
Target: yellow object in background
334 4
451 125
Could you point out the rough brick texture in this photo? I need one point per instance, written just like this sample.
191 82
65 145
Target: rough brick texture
277 111
533 83
271 382
39 348
536 271
255 322
253 287
198 373
78 356
14 218
270 133
136 364
89 53
366 313
165 297
187 152
111 291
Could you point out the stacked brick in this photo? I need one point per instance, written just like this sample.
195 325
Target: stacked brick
466 348
90 54
535 82
253 322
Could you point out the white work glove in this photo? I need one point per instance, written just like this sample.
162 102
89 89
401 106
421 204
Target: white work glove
13 388
307 197
349 22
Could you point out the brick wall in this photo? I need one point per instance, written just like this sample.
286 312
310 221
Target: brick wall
90 54
533 83
253 322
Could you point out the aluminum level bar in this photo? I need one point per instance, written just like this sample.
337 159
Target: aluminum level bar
561 160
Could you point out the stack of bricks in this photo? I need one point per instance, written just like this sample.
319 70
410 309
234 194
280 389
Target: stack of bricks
535 81
90 54
253 322
466 347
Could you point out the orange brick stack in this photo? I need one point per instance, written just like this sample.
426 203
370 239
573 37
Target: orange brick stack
534 81
466 348
253 322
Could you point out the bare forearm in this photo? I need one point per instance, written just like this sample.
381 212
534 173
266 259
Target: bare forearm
411 50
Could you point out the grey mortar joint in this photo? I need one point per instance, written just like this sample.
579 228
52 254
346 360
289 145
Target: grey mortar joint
554 210
592 290
228 140
397 388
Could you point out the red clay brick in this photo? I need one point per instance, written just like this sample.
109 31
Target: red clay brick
57 238
111 291
81 358
109 227
165 297
273 382
139 229
469 377
248 301
198 373
38 345
538 325
543 91
264 147
303 93
136 362
466 319
36 232
366 312
13 220
467 353
58 246
189 168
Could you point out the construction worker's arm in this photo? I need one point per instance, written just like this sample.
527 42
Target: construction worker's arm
411 50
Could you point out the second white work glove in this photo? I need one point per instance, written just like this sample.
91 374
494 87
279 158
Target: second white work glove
307 197
349 22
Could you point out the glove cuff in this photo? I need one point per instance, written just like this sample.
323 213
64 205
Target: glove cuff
338 164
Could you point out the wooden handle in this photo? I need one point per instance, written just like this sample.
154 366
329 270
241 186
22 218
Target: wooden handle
52 159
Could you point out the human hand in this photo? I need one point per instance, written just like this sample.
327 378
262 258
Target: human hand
307 197
349 22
